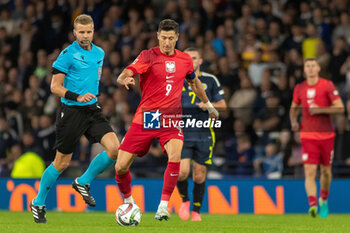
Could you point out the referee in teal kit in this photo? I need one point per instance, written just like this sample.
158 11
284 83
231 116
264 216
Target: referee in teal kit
76 75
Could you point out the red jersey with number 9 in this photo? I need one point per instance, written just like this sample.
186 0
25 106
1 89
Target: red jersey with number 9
161 81
323 93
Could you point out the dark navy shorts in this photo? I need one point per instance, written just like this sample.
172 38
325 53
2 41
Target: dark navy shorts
199 151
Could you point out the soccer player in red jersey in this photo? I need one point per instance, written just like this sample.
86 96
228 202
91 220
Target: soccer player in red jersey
162 70
318 99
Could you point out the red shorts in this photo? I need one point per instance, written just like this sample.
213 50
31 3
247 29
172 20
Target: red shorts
317 151
138 140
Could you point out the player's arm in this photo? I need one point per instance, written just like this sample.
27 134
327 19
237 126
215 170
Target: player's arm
139 66
293 115
336 107
58 89
126 79
221 104
197 88
217 99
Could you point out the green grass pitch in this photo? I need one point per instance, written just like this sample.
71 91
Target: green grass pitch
100 222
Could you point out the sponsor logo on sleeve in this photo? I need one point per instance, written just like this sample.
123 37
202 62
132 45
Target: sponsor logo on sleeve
134 62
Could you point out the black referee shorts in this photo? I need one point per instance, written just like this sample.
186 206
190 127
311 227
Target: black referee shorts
74 121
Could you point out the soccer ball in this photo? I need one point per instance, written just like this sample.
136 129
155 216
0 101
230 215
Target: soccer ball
128 214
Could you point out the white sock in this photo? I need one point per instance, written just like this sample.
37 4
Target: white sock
163 204
129 200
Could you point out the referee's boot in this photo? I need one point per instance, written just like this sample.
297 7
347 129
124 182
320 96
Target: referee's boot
84 191
39 213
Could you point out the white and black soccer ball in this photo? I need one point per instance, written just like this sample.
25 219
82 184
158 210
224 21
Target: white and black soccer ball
128 214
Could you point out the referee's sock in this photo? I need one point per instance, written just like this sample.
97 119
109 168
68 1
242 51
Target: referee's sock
100 163
48 178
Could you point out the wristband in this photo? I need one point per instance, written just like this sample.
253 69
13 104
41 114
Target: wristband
208 105
211 109
71 95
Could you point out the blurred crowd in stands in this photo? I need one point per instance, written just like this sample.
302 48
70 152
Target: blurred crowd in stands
254 47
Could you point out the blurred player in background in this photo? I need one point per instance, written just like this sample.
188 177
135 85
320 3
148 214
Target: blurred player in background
318 99
162 70
76 75
198 143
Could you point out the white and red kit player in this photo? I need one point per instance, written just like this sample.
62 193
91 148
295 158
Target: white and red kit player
318 99
162 70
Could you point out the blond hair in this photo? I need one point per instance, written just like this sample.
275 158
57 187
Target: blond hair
83 19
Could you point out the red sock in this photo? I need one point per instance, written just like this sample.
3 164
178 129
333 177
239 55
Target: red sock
124 183
171 175
312 201
324 194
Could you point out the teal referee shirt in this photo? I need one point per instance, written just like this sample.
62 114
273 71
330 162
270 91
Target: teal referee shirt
83 70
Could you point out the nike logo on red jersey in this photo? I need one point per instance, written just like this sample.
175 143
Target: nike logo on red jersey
167 77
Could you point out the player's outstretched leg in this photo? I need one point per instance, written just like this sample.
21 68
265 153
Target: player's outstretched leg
84 191
184 211
326 177
323 207
171 175
313 206
311 188
39 213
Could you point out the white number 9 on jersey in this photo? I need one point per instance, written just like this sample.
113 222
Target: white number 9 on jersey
168 89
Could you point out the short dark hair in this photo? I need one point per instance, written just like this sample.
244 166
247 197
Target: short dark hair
310 59
193 49
168 25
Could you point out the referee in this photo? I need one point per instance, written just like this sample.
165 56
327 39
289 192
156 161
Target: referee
76 75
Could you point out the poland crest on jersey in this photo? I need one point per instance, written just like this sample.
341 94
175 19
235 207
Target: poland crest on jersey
311 93
170 66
